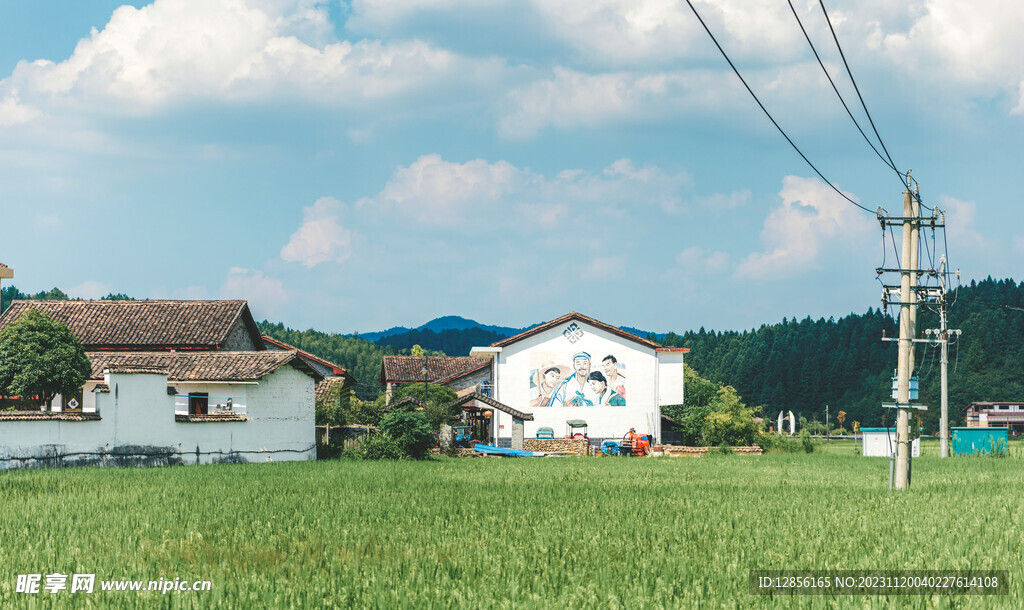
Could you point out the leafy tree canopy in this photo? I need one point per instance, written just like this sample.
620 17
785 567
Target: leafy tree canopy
40 357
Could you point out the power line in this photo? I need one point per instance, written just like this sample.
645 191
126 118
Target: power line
888 162
768 114
891 164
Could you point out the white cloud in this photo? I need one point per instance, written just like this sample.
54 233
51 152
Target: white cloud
960 218
811 223
572 99
725 201
173 50
90 289
976 44
619 31
374 14
320 238
605 267
49 222
265 294
696 259
432 189
437 192
13 112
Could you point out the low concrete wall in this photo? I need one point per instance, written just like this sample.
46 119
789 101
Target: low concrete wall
575 446
683 451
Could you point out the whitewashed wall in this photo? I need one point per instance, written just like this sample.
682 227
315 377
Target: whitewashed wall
648 385
138 426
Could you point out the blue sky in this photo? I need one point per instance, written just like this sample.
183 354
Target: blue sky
355 166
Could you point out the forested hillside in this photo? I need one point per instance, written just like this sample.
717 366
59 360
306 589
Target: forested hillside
360 357
804 365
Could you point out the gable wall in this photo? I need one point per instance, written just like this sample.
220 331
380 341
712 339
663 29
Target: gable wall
518 362
239 339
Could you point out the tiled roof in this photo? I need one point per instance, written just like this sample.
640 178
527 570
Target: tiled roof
337 370
402 369
199 366
324 385
476 396
214 417
47 416
146 325
582 318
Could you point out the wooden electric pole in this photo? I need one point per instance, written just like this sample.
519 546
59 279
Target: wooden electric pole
909 295
942 335
905 359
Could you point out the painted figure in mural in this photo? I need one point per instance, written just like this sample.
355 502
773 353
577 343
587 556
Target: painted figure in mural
575 391
545 381
606 397
616 380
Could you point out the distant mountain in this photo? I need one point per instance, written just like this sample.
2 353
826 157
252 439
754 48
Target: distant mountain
439 325
380 334
643 333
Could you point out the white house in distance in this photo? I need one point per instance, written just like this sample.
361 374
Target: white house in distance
578 368
528 380
172 382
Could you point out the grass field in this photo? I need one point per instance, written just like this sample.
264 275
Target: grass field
516 533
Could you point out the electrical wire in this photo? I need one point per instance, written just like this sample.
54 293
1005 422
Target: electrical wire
821 63
1009 307
891 164
894 248
768 114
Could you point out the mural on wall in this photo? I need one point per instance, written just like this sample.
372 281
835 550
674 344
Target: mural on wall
587 380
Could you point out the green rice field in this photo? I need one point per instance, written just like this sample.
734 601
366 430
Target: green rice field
509 533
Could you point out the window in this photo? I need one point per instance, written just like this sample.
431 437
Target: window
198 403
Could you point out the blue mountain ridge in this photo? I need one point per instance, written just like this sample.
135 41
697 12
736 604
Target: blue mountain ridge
459 323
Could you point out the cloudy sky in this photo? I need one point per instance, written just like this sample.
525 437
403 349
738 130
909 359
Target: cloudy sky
351 166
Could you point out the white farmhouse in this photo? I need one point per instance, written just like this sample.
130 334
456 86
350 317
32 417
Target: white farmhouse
578 368
574 368
172 382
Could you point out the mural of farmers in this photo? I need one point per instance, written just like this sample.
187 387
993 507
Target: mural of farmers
606 397
616 380
546 380
556 385
575 391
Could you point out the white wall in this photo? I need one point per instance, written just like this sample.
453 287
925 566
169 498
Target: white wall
647 384
876 443
138 421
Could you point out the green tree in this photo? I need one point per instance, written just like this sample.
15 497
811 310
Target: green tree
365 412
435 407
730 422
698 393
411 430
333 407
40 357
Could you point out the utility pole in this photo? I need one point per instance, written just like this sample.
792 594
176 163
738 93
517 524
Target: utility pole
942 338
909 294
908 305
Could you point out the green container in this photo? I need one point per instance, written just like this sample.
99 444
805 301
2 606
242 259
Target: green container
979 441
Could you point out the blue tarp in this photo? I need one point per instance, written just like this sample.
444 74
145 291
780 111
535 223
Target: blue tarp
491 450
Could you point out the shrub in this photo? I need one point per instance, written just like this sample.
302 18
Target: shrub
411 430
722 449
806 441
997 447
382 446
777 443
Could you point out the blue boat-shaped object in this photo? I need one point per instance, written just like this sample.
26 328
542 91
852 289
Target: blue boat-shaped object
491 450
